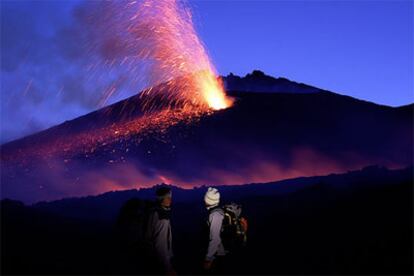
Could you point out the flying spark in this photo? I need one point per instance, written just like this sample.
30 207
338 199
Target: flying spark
157 42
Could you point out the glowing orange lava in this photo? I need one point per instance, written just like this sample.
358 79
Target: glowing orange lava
175 53
148 43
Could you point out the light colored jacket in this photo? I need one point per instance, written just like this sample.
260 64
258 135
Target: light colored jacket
215 246
159 234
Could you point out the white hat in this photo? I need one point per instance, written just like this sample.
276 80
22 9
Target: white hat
212 197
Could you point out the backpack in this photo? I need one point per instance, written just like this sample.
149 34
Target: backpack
234 227
132 222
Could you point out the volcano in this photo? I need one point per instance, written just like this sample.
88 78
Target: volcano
276 129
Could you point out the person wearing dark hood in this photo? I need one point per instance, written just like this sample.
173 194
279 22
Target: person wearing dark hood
159 231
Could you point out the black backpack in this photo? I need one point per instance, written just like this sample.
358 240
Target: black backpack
233 234
132 222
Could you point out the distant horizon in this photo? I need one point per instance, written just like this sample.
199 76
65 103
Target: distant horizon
201 186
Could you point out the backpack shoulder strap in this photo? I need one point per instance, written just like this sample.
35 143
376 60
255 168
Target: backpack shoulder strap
217 209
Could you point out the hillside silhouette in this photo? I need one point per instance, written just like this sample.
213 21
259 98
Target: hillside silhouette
360 222
257 81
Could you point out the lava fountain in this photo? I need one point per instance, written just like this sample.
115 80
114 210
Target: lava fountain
157 43
148 43
174 53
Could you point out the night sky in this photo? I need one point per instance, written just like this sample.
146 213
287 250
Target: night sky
359 48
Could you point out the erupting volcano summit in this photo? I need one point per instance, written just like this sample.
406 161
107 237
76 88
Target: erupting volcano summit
160 38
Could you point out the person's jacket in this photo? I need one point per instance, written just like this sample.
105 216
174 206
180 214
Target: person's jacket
160 237
215 221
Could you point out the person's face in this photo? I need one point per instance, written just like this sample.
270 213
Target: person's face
166 202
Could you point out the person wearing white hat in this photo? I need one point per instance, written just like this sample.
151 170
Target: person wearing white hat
215 221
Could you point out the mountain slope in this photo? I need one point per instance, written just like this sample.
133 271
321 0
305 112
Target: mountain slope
257 81
263 137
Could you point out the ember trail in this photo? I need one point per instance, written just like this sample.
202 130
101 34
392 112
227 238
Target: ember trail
163 47
160 36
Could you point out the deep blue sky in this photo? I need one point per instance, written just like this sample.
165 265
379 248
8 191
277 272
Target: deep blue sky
359 48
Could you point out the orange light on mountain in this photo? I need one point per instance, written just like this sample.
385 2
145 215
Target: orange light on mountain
213 91
176 54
